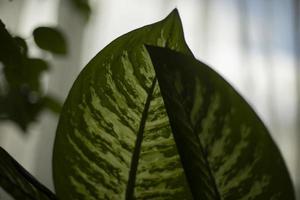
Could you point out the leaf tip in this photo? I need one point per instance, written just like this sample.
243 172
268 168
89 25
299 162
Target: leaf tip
174 14
175 11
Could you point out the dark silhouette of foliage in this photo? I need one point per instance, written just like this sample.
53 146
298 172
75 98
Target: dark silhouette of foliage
50 39
21 95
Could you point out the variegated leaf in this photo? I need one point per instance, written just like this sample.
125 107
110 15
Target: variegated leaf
225 149
114 140
17 182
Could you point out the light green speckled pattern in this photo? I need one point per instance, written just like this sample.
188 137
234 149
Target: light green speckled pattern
113 140
222 143
160 174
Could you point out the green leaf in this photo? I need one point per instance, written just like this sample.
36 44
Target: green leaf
83 6
21 105
32 70
20 96
18 182
114 140
22 44
10 54
50 39
52 104
225 149
35 65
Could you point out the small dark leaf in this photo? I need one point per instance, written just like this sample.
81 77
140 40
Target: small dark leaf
22 44
35 66
28 73
52 104
83 6
50 39
21 105
16 181
10 54
20 97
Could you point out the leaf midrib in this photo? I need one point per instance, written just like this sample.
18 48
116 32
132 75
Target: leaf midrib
138 144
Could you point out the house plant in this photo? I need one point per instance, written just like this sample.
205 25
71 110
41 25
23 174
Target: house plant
146 120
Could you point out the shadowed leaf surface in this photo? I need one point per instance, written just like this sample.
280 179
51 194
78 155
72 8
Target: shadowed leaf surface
22 44
50 39
16 181
52 104
113 139
10 54
226 151
83 6
21 95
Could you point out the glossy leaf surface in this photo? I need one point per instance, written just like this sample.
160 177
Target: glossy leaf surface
18 182
114 140
226 151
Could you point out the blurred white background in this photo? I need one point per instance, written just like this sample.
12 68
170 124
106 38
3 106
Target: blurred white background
253 44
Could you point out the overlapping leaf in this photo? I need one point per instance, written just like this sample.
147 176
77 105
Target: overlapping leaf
226 151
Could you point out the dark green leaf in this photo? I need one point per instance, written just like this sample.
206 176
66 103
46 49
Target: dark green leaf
28 73
113 139
22 44
10 54
83 6
226 151
18 68
50 39
35 66
20 97
21 105
18 182
52 104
